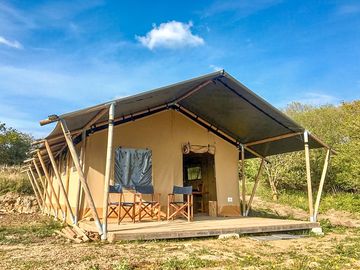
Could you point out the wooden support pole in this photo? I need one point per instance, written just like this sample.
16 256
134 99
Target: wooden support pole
38 189
272 139
243 181
35 191
52 193
108 169
84 184
308 175
46 192
58 177
321 184
67 179
255 187
79 189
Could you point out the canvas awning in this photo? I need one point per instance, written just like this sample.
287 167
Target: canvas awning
216 101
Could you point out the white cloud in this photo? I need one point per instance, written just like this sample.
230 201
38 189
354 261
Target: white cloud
170 35
215 68
13 44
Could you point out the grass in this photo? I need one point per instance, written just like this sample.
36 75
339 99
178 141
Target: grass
11 180
341 201
28 233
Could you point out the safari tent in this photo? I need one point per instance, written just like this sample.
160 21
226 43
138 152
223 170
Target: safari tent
193 132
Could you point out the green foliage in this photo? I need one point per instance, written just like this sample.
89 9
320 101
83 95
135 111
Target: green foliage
339 127
14 145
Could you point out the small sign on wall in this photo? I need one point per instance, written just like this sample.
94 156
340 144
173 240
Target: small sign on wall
230 200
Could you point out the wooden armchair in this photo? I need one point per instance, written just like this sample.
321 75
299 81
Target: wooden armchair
129 201
149 205
182 207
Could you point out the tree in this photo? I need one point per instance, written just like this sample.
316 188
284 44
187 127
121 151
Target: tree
14 145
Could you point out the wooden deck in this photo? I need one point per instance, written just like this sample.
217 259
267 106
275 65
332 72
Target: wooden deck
200 227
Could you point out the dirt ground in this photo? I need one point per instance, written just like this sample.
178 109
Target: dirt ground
27 241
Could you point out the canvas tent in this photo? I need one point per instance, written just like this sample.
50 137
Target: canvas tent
214 111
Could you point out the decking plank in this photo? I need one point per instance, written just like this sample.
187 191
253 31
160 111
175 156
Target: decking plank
201 227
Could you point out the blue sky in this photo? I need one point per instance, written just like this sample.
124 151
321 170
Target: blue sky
59 56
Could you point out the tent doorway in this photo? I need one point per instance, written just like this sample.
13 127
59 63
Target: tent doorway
199 173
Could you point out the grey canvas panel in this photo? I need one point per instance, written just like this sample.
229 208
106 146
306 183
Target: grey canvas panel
226 104
231 114
287 145
133 104
133 167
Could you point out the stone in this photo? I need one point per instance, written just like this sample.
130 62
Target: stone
317 231
229 236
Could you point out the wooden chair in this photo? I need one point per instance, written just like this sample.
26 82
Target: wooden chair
184 207
129 201
149 205
113 206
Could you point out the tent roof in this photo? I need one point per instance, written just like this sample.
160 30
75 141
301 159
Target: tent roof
227 106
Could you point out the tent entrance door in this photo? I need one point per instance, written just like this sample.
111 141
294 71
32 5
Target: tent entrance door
199 172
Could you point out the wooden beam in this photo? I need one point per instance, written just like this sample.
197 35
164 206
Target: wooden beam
109 151
79 189
95 119
84 184
321 184
58 177
192 91
272 139
67 178
46 192
322 143
214 129
38 188
35 191
49 180
255 187
308 175
243 181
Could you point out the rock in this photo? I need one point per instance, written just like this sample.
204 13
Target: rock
12 202
229 236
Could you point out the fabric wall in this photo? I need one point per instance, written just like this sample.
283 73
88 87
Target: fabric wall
165 133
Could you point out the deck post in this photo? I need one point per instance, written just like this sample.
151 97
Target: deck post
35 191
84 184
243 181
47 176
46 192
38 189
308 175
58 177
108 169
321 184
255 187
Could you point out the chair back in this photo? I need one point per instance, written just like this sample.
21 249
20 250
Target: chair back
115 189
145 189
182 190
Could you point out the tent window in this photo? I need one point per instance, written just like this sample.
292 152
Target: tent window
133 167
194 173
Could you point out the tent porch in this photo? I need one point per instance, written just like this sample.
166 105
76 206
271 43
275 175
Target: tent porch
202 226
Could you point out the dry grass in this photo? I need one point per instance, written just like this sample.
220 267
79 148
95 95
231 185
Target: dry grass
11 180
27 244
